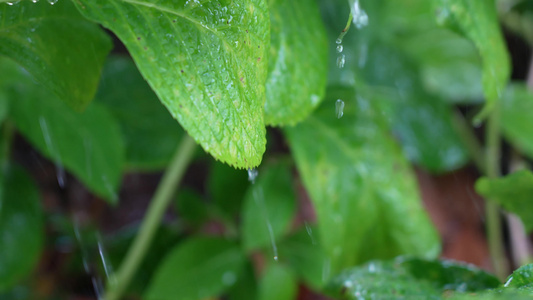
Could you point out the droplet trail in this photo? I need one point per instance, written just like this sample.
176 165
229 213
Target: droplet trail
339 108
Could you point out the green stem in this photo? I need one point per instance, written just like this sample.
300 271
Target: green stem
492 212
470 141
158 205
345 30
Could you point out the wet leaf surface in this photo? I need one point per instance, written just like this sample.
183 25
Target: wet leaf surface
58 46
206 61
298 62
410 278
361 186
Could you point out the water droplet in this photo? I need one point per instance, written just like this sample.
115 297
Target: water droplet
252 175
259 199
340 48
12 2
34 1
339 108
275 257
52 2
338 41
341 59
508 281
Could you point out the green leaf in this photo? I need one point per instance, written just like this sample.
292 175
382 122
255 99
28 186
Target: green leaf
410 279
21 227
304 254
298 62
513 192
269 207
478 21
363 191
517 117
88 144
227 187
59 47
522 278
278 283
191 207
246 286
150 134
197 269
206 61
449 64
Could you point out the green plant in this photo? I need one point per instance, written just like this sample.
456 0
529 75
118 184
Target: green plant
356 107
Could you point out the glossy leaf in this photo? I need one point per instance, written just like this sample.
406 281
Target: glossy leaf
410 279
150 134
298 62
478 21
517 117
363 191
21 227
197 269
268 208
304 255
87 144
278 283
59 47
206 61
513 192
522 278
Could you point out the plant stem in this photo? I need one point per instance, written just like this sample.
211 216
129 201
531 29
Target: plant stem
492 211
470 141
152 219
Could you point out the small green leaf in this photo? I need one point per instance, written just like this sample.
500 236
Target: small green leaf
410 279
517 117
278 283
298 62
304 254
513 192
269 207
197 269
478 21
227 187
150 134
59 47
88 144
522 278
362 189
21 227
206 61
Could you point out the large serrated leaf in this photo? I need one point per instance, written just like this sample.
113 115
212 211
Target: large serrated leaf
478 21
513 192
21 227
207 62
150 134
88 144
298 61
199 268
59 47
363 191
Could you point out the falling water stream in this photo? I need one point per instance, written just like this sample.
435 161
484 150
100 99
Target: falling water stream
259 198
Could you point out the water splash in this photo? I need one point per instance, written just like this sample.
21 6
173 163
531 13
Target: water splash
252 175
360 18
60 171
339 108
